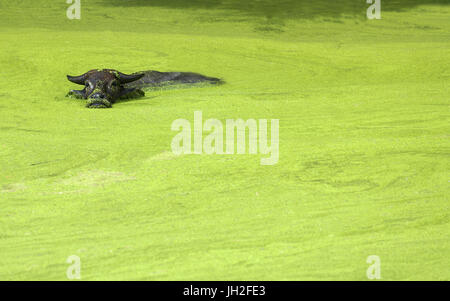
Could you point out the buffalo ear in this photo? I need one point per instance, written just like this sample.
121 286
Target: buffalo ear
125 78
77 79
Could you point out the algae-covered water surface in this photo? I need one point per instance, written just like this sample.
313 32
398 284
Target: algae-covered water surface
363 165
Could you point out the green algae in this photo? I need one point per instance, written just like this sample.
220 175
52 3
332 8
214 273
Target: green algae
364 149
74 95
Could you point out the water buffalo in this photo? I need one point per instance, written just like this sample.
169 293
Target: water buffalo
104 87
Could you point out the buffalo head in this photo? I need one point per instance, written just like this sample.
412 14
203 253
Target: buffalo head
103 87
